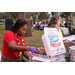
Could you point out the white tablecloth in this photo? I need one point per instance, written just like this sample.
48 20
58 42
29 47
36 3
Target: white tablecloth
64 30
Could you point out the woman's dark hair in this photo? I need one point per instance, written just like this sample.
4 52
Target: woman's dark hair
53 21
19 23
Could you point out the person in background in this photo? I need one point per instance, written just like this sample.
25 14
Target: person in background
41 26
14 44
70 30
66 25
33 25
46 23
62 24
55 22
38 26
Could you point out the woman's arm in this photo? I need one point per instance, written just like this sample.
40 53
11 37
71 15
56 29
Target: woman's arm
12 46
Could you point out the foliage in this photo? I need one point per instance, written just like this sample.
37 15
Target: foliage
4 15
41 15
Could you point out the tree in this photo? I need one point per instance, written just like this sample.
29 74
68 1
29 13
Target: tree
41 15
4 15
44 15
34 14
66 15
53 13
63 14
23 15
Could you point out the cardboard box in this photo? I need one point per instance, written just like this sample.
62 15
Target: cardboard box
72 48
38 59
58 58
72 53
33 57
52 42
69 38
54 47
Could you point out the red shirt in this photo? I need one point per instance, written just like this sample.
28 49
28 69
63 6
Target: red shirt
10 36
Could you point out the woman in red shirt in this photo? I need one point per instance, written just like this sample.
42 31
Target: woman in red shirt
14 44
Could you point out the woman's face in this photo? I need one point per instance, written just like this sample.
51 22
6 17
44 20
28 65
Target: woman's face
59 22
21 31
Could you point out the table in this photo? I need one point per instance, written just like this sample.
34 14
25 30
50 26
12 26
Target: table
65 31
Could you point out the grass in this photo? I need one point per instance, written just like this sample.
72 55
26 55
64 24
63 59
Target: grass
35 40
67 45
2 32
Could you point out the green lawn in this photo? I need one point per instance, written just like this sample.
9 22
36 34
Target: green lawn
35 40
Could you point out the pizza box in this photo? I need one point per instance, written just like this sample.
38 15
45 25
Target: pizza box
68 38
52 42
33 57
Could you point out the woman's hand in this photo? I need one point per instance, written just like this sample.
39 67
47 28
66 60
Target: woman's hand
34 49
73 42
26 54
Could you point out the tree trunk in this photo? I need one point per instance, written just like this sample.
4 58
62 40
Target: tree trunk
28 32
67 18
41 16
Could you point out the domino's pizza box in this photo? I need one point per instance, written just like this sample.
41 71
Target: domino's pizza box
72 53
38 59
69 38
52 42
58 58
72 48
33 57
62 59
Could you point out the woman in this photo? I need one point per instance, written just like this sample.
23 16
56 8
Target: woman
14 44
66 25
55 22
70 30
